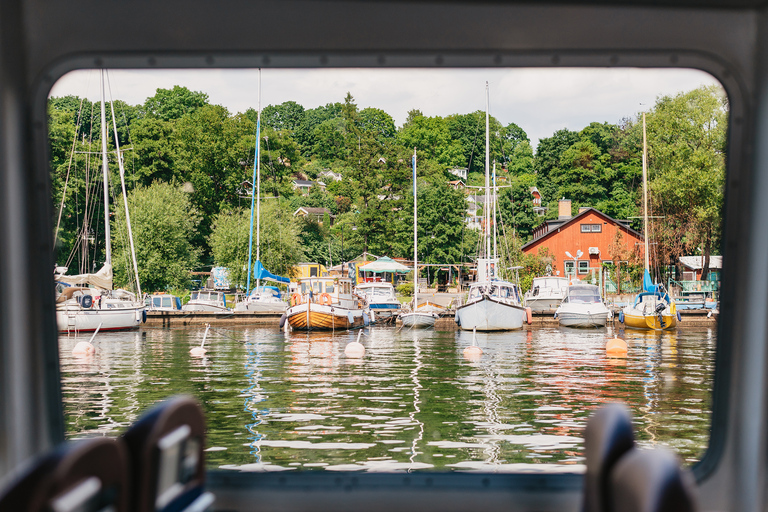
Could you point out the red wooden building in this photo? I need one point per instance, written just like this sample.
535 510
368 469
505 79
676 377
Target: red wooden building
591 231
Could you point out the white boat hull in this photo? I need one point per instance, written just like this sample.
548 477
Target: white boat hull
543 304
205 308
73 318
582 315
418 320
487 314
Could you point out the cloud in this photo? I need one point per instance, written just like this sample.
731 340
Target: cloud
541 101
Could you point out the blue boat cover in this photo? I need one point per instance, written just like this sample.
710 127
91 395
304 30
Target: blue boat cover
648 283
267 287
261 273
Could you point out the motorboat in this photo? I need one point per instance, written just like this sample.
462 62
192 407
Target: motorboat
208 301
263 299
546 293
326 303
162 302
582 307
381 299
492 306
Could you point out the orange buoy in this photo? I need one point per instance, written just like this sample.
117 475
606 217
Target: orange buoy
354 349
616 347
529 315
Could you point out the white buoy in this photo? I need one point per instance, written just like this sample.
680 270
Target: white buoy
200 351
85 348
355 348
473 352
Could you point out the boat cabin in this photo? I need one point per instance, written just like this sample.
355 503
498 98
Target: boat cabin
325 290
162 302
582 294
498 289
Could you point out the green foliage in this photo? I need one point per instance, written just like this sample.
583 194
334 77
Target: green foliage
281 246
164 223
405 289
171 104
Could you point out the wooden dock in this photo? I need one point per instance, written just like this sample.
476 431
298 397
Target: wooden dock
446 322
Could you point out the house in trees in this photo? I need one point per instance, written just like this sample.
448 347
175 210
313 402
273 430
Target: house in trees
457 185
460 172
694 265
304 186
314 214
537 208
590 237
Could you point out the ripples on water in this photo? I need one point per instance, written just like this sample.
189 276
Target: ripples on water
285 402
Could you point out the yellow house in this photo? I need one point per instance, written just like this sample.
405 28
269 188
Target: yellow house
309 270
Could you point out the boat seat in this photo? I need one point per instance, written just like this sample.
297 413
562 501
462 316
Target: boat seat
607 438
90 475
651 481
165 448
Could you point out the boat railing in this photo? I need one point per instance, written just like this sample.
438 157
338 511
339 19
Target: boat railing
695 287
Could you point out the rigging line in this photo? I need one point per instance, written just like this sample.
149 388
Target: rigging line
69 168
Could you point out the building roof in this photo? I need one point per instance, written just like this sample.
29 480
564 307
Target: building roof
313 211
697 262
303 183
560 223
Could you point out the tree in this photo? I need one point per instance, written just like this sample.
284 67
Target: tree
164 223
171 104
280 247
686 141
288 116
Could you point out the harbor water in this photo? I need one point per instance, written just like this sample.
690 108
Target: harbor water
280 402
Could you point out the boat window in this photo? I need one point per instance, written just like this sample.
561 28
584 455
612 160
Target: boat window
293 401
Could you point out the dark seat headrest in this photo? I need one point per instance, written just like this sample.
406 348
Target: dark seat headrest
608 436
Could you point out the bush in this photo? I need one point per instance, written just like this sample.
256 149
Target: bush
405 289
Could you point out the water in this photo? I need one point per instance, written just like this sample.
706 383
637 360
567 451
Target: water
295 402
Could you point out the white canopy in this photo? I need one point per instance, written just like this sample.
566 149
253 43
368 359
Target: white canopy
383 264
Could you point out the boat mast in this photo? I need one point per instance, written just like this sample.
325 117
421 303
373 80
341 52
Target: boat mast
645 198
487 191
255 192
495 199
125 198
105 169
415 240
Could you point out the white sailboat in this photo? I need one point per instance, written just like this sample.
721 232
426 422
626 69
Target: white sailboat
86 302
492 304
262 299
653 309
416 318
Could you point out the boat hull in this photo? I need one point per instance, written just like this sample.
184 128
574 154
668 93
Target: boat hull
77 319
261 307
487 314
634 319
418 320
593 316
323 317
543 304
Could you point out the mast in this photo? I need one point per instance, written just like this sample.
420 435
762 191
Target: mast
125 198
487 189
645 198
415 241
495 199
105 168
255 196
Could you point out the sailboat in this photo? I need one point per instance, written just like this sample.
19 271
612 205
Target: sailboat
416 318
263 299
492 304
86 302
653 308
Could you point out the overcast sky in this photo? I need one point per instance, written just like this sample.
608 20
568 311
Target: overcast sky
541 101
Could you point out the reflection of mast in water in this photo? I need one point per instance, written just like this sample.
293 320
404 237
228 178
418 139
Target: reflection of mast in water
253 396
653 381
416 390
491 409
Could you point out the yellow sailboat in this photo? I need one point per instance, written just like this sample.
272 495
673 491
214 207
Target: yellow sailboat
653 308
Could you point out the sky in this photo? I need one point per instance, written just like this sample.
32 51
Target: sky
540 101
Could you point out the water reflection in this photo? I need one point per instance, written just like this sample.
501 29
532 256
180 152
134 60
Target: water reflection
277 401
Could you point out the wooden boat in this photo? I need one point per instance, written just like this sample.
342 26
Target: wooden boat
326 304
